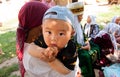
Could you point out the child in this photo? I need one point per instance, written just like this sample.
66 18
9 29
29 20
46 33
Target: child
91 28
56 56
29 28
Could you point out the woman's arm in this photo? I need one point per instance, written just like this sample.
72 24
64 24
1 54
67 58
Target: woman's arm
35 50
54 63
59 67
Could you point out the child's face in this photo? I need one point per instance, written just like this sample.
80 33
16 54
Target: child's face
88 19
56 32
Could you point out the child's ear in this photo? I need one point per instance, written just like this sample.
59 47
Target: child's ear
73 31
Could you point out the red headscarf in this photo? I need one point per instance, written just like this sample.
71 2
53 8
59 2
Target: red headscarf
30 16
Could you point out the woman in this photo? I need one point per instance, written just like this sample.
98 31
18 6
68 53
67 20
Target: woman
91 28
88 52
109 53
29 28
116 19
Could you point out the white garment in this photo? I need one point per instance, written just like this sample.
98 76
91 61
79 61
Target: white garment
114 19
87 29
37 68
78 31
111 28
93 19
112 71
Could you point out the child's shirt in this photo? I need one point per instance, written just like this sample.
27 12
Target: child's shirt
38 68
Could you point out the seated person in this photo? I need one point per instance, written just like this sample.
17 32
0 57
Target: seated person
91 28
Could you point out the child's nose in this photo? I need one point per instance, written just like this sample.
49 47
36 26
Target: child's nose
54 38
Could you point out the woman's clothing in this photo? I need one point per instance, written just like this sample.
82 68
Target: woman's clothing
91 30
87 59
103 40
112 71
37 68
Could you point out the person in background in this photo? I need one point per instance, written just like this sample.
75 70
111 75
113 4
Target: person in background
29 28
88 51
114 30
56 54
62 2
109 52
116 19
91 28
49 3
33 0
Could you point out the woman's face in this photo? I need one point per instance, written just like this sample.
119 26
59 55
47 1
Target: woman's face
80 17
88 19
117 21
56 32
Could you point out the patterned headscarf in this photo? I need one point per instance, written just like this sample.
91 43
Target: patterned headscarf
30 16
114 19
93 19
111 28
78 31
87 27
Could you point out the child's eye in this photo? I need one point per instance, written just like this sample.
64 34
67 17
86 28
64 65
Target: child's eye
48 32
61 34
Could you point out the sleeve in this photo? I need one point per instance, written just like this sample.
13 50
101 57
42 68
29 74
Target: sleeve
68 56
40 42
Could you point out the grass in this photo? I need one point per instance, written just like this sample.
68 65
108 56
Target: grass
7 43
106 17
6 71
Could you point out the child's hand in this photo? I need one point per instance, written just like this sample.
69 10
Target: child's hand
51 53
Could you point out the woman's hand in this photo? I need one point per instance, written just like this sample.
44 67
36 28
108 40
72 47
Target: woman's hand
86 47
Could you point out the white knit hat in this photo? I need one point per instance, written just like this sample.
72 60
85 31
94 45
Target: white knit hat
77 8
